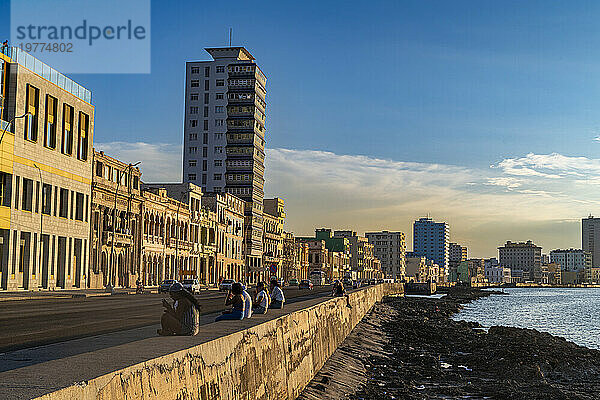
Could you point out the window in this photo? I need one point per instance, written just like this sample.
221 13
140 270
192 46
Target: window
193 123
193 110
46 199
205 138
218 149
204 165
31 107
136 182
5 189
219 96
220 82
219 122
194 96
219 109
218 163
195 83
217 190
204 179
206 98
206 85
50 127
193 136
66 142
99 168
204 151
79 206
195 70
205 124
192 163
64 203
205 112
193 150
218 136
206 72
27 195
191 177
82 139
220 69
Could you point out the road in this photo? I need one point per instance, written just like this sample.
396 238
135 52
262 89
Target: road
29 323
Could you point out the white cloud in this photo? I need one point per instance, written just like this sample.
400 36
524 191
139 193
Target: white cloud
160 162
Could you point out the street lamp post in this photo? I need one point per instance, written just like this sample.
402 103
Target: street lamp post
41 215
11 122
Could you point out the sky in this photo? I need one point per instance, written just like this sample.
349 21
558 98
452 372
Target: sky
482 114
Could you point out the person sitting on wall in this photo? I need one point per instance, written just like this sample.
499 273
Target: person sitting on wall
277 297
248 303
262 300
183 316
235 298
339 290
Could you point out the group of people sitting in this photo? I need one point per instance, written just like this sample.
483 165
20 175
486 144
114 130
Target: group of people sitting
242 305
183 316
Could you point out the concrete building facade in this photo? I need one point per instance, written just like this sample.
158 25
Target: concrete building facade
432 240
224 136
273 238
45 176
361 254
522 256
390 249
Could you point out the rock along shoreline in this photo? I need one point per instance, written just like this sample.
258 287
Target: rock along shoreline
411 348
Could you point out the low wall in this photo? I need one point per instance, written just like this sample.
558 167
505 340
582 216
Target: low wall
272 360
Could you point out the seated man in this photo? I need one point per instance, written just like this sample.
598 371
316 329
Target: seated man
235 298
277 297
261 303
183 317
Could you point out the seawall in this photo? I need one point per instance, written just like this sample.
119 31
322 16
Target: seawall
272 360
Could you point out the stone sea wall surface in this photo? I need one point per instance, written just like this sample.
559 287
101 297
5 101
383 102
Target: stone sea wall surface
272 360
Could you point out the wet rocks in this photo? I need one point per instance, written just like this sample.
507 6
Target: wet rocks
430 356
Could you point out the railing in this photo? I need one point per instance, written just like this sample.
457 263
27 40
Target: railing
48 73
120 238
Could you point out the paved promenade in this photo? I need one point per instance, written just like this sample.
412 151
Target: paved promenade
46 319
32 372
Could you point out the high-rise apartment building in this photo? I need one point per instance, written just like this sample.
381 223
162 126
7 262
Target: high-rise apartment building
432 240
522 258
571 259
457 254
390 249
590 238
224 135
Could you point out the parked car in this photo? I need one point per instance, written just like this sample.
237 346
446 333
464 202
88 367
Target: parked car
226 285
294 282
166 285
305 284
191 285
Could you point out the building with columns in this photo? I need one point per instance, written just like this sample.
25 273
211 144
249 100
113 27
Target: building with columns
47 122
115 235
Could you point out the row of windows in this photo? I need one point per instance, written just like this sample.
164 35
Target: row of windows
115 175
193 163
32 196
196 70
196 83
32 108
196 96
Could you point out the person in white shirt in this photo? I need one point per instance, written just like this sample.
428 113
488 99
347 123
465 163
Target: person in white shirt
277 297
248 302
261 303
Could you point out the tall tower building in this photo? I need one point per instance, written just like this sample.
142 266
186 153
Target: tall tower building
590 238
390 249
432 240
224 135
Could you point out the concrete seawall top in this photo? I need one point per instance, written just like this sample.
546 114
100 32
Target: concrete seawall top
270 356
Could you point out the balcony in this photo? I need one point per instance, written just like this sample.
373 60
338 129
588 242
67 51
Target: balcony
121 239
180 244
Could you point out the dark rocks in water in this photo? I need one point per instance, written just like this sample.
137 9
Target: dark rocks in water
430 356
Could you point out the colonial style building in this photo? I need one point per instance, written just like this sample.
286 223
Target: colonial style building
115 237
46 125
273 236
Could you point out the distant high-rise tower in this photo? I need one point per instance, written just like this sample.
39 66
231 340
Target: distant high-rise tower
432 240
224 135
590 238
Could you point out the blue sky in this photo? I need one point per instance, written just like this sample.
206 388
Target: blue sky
462 83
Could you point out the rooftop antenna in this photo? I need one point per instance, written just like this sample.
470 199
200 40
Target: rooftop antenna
230 34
